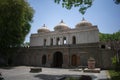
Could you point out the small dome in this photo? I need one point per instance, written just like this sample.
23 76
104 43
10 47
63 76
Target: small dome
43 29
61 26
83 23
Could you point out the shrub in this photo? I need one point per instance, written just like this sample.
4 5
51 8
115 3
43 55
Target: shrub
116 64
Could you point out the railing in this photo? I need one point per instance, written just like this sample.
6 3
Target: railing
69 46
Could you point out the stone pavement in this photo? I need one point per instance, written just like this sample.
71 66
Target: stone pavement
22 73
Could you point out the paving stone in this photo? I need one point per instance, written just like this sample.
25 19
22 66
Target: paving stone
22 73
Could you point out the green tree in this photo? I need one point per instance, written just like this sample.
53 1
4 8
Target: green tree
15 19
116 64
104 37
83 4
114 41
117 1
109 37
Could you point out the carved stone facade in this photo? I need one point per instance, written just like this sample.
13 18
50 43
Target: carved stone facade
63 35
65 47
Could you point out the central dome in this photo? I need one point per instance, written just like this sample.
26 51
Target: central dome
61 26
83 23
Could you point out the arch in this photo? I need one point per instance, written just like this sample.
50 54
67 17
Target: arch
58 41
64 40
45 40
74 60
73 40
103 46
57 59
43 59
9 61
51 43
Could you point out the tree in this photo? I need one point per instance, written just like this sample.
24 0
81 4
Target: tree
105 37
117 1
15 19
83 4
109 37
114 41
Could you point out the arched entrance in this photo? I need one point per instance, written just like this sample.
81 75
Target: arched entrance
74 60
57 59
43 59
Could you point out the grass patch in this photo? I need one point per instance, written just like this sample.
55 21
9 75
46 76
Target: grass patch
114 75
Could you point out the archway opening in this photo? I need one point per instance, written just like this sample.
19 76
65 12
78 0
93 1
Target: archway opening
58 41
43 59
103 46
73 40
74 60
64 40
45 42
57 59
51 41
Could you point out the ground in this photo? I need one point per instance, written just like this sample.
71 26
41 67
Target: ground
22 73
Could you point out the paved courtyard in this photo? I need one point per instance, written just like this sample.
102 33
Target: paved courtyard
22 73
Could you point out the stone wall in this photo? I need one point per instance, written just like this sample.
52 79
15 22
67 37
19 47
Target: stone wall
73 55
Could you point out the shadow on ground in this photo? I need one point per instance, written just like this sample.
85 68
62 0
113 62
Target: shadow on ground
60 77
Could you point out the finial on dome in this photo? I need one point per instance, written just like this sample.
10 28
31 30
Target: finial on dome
62 21
43 25
83 19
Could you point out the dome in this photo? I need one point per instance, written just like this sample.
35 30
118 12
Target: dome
61 26
83 23
43 29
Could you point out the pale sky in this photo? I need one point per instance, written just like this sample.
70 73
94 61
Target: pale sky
103 13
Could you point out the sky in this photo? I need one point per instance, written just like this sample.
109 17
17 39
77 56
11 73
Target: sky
103 13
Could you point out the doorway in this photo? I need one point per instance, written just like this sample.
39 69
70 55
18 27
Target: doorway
43 59
57 60
74 60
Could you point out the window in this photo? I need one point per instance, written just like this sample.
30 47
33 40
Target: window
51 43
64 40
103 46
43 59
73 40
58 41
45 42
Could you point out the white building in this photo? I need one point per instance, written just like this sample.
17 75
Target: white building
84 32
65 47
